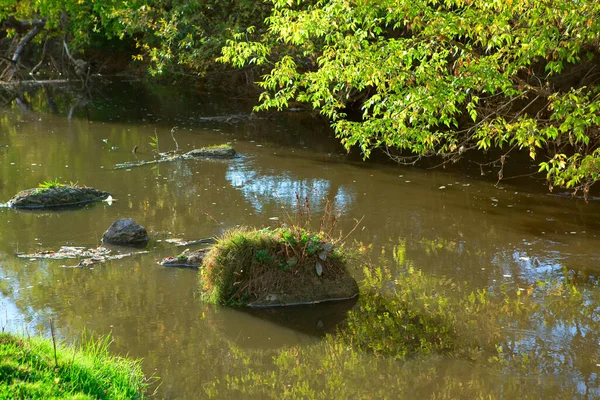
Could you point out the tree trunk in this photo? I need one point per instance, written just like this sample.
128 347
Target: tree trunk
32 27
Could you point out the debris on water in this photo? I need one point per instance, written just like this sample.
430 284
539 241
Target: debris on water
274 218
495 200
442 187
88 256
68 252
524 258
184 242
185 259
507 276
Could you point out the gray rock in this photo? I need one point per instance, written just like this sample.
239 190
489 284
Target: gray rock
125 231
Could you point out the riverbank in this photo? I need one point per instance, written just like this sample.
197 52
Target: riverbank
34 367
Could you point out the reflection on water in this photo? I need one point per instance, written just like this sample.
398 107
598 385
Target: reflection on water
468 230
285 188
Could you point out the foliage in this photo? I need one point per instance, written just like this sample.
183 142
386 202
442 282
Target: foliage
78 20
177 37
246 265
182 36
154 143
410 331
432 78
28 370
53 184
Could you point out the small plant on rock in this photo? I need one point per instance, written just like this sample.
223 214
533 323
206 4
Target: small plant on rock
53 184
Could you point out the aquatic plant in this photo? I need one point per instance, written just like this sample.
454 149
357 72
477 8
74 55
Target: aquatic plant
52 184
413 333
154 143
249 265
34 367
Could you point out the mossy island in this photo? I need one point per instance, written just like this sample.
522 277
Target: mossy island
32 368
275 267
54 194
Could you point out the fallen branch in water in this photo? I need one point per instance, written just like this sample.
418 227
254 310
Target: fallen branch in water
223 151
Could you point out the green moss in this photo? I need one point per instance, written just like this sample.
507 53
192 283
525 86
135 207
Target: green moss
223 146
246 265
28 370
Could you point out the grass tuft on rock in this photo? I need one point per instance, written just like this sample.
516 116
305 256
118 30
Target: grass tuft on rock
30 369
222 146
281 266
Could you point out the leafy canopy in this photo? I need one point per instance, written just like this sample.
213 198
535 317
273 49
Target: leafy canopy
439 78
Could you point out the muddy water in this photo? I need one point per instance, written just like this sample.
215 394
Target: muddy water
451 225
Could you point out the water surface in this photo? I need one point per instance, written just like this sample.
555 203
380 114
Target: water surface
452 225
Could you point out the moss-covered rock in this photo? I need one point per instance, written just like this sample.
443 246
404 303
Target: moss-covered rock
217 151
57 196
269 267
193 259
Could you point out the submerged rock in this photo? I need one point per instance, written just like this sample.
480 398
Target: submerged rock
223 151
185 259
125 231
59 196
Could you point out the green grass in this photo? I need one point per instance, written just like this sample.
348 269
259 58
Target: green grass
53 184
247 264
28 371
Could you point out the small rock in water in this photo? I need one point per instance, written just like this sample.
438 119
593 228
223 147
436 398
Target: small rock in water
125 231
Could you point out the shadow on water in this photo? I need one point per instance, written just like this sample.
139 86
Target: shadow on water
313 320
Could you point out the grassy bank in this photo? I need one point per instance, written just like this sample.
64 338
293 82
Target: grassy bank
31 368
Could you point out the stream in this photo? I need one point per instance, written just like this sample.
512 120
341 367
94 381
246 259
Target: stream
451 224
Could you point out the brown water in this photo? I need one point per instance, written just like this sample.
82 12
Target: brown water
455 226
